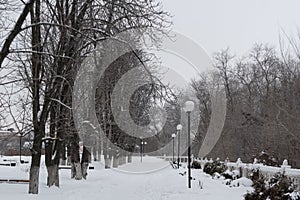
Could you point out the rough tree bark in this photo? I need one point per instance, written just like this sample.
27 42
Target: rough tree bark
76 171
85 160
107 155
129 158
116 156
37 124
52 152
35 162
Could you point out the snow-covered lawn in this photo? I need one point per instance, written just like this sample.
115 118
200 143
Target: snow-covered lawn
154 179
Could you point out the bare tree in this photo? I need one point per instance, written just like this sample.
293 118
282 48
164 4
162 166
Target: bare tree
60 35
264 115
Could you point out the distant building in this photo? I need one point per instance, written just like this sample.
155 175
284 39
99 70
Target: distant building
10 143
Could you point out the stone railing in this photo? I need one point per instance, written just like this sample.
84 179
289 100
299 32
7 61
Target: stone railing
268 172
246 169
183 159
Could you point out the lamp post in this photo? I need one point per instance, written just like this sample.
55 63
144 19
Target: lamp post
188 108
173 138
20 145
144 148
141 150
143 143
179 127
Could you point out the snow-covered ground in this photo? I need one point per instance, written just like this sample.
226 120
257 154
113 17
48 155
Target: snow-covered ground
154 179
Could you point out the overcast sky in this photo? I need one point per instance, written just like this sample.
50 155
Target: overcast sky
238 24
218 24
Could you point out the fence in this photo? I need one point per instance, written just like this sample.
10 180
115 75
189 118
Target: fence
182 159
267 171
246 169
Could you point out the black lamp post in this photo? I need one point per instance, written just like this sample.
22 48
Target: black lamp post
143 143
173 138
20 145
188 108
179 127
144 147
141 150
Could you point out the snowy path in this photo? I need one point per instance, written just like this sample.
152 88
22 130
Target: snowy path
163 184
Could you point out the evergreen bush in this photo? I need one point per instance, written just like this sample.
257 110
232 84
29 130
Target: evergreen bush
279 187
215 166
196 165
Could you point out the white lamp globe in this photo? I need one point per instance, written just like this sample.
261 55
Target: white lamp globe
173 135
179 127
188 106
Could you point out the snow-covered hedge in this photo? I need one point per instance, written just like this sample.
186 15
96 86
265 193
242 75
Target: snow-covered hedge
196 165
215 166
279 187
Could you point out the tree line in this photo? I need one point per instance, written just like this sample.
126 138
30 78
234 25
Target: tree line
263 90
40 57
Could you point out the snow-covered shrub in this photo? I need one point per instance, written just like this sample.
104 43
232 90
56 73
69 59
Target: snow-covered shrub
196 165
231 174
266 159
216 166
216 175
254 175
295 195
259 192
279 187
227 181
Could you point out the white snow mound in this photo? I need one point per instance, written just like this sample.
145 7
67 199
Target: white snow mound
242 182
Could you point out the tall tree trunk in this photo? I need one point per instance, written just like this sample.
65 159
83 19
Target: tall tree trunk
37 126
94 148
116 155
63 156
35 162
122 159
107 156
85 160
48 160
129 158
52 157
99 149
52 152
76 171
94 151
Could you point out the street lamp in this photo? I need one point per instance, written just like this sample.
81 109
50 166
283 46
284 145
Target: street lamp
144 148
20 153
143 143
179 127
173 138
188 108
141 150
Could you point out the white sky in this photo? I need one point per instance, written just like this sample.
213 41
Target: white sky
238 24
